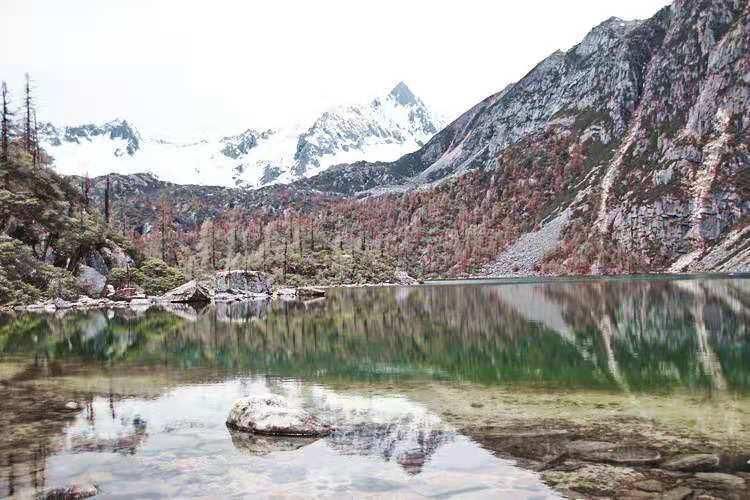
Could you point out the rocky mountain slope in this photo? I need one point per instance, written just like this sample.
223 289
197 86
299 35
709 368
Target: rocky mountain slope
630 152
657 111
383 129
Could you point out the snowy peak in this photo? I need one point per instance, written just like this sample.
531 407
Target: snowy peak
383 129
115 130
403 95
238 145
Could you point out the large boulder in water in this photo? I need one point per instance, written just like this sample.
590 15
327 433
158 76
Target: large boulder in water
192 292
90 281
273 415
241 282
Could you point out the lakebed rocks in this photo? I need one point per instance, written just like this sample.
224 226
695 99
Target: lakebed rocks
73 492
587 468
272 415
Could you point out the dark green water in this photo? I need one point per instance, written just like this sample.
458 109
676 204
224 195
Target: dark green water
156 385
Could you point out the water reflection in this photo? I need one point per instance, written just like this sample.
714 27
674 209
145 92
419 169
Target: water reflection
155 385
618 335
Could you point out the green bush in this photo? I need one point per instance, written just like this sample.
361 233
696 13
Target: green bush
61 284
158 277
119 277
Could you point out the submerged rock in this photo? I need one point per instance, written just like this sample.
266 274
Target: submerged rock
692 463
594 479
679 493
74 492
192 292
719 480
263 445
624 455
650 486
273 415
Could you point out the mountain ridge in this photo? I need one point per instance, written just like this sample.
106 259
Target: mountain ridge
629 152
383 128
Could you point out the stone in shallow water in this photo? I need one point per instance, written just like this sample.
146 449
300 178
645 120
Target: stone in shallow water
650 485
719 480
678 493
692 463
624 455
595 479
583 446
273 415
74 492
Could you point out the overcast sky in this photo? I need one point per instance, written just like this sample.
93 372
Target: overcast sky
185 68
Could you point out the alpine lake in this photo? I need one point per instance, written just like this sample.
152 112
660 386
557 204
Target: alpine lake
528 389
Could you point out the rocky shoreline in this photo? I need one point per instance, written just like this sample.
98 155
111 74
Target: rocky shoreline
224 287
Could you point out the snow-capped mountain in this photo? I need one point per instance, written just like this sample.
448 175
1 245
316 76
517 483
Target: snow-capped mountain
382 130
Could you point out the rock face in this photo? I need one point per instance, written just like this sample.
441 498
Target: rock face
273 415
241 282
192 292
90 281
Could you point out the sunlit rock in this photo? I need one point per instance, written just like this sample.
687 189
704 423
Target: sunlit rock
273 415
90 281
191 292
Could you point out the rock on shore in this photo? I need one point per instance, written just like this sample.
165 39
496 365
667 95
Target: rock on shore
192 292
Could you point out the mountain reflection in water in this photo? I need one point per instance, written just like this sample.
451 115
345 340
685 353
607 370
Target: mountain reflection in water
154 381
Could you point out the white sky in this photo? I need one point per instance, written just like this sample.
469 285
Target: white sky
186 68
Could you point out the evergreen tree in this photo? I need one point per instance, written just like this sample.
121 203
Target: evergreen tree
5 117
36 150
106 201
28 132
86 191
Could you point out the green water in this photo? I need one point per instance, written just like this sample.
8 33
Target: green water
407 373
